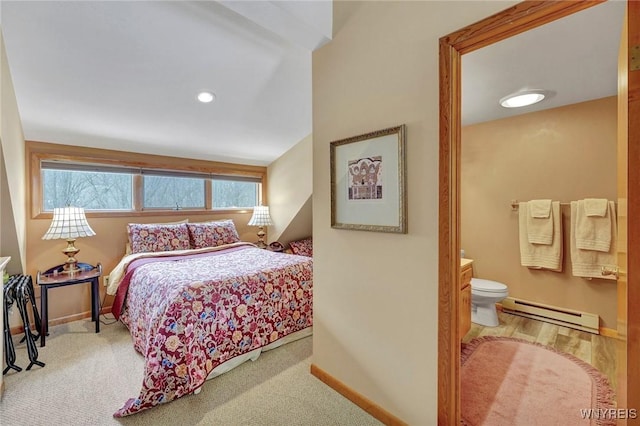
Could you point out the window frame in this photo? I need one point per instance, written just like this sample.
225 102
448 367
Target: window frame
39 152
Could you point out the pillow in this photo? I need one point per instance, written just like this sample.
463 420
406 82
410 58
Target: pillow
302 247
212 234
154 237
127 247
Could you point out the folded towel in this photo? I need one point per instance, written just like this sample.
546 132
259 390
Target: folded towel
541 256
540 208
592 232
596 206
589 263
540 222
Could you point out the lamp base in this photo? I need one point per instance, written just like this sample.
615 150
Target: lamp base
71 265
70 268
261 244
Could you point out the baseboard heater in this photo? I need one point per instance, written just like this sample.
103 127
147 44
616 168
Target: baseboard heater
566 317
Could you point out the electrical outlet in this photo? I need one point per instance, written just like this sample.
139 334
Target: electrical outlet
106 280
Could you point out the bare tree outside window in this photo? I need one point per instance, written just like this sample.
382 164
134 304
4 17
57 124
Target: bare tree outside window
234 194
173 192
90 190
99 189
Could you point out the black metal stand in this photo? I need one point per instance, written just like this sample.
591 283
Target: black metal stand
20 289
9 350
24 295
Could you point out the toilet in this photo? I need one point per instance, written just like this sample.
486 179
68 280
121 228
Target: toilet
484 296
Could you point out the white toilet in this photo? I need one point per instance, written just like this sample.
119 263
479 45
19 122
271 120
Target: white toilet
484 296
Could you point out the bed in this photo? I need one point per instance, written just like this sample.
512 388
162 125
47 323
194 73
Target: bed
198 309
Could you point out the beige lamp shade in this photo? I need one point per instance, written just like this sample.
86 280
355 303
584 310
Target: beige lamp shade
260 216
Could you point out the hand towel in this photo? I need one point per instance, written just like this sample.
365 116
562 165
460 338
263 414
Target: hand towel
540 208
592 232
541 256
540 222
589 263
596 206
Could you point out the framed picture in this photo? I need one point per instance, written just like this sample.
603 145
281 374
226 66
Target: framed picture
368 185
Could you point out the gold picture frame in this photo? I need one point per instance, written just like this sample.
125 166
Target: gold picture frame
368 182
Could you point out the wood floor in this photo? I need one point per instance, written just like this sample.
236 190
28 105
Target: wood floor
599 351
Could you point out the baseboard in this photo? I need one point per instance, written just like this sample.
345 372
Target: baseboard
603 331
366 404
62 320
608 332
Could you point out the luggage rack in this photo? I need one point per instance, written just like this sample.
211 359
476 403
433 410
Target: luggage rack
19 290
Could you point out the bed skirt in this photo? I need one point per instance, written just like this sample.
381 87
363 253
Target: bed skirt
255 354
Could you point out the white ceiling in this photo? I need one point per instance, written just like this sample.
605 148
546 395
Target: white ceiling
575 57
124 75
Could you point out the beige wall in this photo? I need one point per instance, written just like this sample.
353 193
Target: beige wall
565 154
288 191
375 294
13 184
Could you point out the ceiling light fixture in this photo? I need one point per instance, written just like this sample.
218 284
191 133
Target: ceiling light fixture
522 98
206 97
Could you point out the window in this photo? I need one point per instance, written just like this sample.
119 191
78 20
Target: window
234 193
139 183
93 190
171 192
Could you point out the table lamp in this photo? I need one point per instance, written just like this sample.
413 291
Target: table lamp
69 223
261 219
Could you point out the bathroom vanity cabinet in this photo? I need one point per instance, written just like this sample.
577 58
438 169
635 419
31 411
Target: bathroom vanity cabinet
466 272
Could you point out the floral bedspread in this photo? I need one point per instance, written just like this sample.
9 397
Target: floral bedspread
190 315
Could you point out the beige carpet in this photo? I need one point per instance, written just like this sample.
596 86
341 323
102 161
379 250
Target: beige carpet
88 376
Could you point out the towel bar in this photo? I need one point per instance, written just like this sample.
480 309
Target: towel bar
515 204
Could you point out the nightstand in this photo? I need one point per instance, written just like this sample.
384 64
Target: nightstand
54 277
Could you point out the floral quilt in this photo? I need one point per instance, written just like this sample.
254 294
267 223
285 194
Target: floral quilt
190 314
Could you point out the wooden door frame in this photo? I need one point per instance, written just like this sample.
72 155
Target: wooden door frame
632 384
515 20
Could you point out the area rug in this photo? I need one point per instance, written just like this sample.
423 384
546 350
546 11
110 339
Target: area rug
507 381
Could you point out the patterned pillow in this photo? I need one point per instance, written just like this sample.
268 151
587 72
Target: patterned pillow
127 247
302 247
212 234
154 237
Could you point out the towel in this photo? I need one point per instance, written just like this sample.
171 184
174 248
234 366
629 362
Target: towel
540 222
589 263
593 232
596 206
540 208
541 256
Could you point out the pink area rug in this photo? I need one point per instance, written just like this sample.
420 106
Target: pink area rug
506 381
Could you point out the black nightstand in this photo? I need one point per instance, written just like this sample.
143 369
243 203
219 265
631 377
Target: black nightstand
54 277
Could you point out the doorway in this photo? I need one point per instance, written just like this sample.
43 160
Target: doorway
510 22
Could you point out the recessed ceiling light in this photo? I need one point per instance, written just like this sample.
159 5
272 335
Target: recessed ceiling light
206 97
522 98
